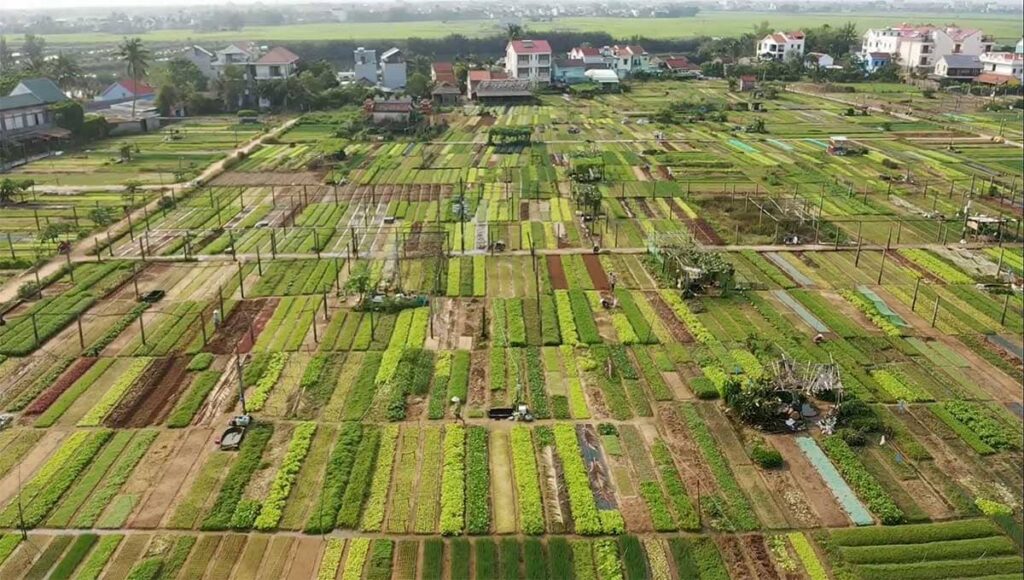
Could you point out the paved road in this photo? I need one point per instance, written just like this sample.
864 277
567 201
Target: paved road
80 250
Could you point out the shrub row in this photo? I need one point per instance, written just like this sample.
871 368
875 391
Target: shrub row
273 505
249 458
860 479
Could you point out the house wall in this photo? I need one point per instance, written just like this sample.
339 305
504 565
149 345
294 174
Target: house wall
535 67
366 65
266 72
393 74
569 75
23 120
119 93
381 117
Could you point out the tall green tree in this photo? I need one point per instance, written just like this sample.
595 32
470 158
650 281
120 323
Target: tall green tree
136 59
6 57
32 53
65 70
513 31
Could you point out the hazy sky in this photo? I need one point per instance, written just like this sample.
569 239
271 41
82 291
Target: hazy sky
50 5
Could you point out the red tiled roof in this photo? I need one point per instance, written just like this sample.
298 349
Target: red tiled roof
136 88
443 67
588 51
479 75
990 78
531 46
797 34
748 78
679 63
278 55
779 37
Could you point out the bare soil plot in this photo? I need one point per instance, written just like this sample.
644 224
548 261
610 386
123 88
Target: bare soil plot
157 391
596 271
244 323
305 558
502 489
178 475
814 489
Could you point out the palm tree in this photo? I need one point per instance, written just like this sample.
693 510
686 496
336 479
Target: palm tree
65 70
136 58
513 31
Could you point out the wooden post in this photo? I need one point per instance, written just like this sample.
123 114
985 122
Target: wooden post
259 261
71 267
899 230
142 250
241 286
35 329
202 328
881 268
142 330
81 335
131 228
273 244
917 287
99 252
935 311
10 246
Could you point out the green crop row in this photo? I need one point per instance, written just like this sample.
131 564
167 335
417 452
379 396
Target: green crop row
550 335
479 276
113 396
359 480
188 405
356 559
535 381
978 419
963 431
898 386
583 318
661 517
739 513
331 559
272 372
936 266
249 458
453 474
683 313
524 464
1003 567
113 332
114 480
439 391
273 505
478 482
566 320
972 548
585 516
361 395
807 556
373 513
685 512
99 557
871 311
637 319
37 497
606 559
516 323
336 476
860 479
915 533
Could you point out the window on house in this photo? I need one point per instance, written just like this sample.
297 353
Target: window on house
523 72
275 71
957 48
923 61
544 58
524 59
544 71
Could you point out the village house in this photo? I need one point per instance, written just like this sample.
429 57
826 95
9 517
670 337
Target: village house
278 63
1000 68
475 77
818 60
590 56
679 65
393 69
781 46
629 60
127 89
918 48
567 71
26 113
608 80
528 60
746 83
238 54
958 67
365 65
384 110
202 58
446 87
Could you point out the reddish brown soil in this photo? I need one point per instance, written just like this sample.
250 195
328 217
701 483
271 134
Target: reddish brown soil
668 318
156 396
735 561
823 503
478 378
597 276
175 472
524 211
557 273
703 231
68 378
243 326
758 553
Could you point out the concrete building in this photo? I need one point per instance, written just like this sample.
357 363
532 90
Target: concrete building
781 46
567 71
393 69
384 110
202 58
918 48
607 79
961 67
43 89
679 65
278 63
590 56
818 60
365 64
446 90
528 60
239 54
1000 68
475 77
127 89
628 60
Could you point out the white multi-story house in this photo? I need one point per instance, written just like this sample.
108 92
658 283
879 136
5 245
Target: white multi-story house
239 54
629 60
393 69
919 48
528 60
365 65
1001 67
279 63
781 46
591 56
